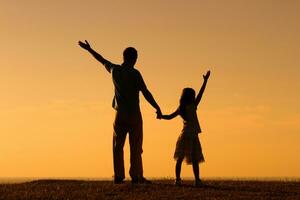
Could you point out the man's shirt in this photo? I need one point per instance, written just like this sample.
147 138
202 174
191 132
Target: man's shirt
127 83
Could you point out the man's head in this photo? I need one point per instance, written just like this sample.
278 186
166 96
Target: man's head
130 56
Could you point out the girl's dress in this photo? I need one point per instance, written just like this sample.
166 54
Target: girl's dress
188 146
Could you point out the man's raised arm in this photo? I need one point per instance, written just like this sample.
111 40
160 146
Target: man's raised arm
96 55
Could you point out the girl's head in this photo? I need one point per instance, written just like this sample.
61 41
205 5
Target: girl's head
187 97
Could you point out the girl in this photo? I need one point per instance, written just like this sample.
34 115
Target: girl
188 146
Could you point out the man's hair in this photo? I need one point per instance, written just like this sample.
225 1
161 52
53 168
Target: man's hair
129 53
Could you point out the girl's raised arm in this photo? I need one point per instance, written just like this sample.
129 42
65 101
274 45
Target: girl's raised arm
199 96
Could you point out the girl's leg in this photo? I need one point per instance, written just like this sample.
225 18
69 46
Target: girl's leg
196 169
178 168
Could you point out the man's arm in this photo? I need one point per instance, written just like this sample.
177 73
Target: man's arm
199 96
147 94
97 56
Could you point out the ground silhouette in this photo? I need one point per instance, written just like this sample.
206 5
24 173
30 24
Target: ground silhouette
159 189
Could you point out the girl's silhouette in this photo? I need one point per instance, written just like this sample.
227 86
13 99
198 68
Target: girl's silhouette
188 146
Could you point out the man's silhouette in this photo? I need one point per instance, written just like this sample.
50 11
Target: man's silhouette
127 83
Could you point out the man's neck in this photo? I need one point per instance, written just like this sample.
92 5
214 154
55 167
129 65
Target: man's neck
128 66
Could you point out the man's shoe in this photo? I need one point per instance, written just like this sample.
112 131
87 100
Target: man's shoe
134 180
142 180
198 183
177 182
118 180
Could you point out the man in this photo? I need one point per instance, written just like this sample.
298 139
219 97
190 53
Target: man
127 83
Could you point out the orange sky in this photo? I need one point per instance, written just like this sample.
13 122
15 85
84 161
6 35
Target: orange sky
56 116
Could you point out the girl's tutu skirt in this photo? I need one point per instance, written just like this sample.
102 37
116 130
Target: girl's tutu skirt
188 147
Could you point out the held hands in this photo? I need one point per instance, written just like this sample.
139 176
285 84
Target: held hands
85 45
158 114
206 76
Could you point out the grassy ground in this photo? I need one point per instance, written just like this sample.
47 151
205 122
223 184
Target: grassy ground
159 189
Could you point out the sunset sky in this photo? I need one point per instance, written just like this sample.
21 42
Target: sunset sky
56 115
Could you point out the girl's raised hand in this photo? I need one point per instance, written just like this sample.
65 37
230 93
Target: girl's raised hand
206 76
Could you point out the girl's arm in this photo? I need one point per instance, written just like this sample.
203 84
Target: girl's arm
171 116
199 96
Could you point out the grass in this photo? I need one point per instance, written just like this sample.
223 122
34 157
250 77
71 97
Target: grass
159 189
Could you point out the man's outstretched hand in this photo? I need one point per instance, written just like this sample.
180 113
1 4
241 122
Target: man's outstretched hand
85 45
206 76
